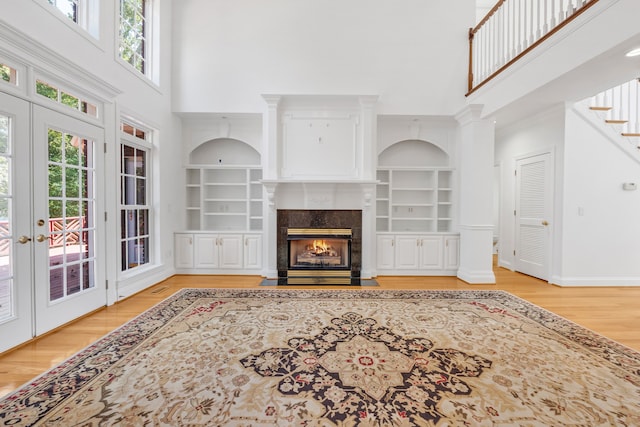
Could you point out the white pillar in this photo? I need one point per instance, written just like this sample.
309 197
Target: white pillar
476 160
270 171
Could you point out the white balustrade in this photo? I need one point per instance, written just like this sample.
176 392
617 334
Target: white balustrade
511 28
622 106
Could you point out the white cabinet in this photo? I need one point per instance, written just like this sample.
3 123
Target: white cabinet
253 251
407 252
386 251
218 251
451 252
183 250
223 253
417 254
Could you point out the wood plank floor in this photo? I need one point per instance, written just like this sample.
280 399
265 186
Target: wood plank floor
611 311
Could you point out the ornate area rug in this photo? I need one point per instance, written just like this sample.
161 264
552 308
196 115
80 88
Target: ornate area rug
224 357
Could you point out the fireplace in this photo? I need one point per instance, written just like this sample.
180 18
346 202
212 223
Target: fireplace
319 247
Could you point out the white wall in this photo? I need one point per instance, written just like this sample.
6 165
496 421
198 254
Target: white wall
412 53
595 225
541 133
601 230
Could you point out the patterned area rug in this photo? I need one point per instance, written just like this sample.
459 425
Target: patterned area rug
339 358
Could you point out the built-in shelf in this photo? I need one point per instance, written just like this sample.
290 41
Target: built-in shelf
414 199
224 198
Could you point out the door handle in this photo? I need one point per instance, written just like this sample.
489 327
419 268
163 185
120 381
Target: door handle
41 238
545 222
24 239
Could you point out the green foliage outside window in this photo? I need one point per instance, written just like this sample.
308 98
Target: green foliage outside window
132 33
5 73
46 90
65 157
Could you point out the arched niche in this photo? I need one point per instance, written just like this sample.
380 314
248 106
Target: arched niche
224 151
413 152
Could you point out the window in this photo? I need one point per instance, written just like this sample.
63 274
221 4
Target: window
133 33
8 74
84 14
68 7
135 206
60 96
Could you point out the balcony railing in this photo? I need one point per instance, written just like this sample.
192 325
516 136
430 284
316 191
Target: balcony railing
511 29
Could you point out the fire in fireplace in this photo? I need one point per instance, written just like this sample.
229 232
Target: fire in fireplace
319 255
319 247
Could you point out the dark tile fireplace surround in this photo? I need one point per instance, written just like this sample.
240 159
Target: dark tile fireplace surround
340 265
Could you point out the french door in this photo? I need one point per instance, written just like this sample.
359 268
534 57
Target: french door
52 269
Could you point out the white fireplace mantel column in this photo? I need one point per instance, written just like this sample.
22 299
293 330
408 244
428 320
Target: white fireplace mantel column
476 160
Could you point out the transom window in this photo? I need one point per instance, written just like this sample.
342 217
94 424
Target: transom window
8 74
50 91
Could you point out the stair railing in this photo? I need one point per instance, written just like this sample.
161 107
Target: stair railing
621 107
511 29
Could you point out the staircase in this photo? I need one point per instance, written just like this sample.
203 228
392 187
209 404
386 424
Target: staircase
620 108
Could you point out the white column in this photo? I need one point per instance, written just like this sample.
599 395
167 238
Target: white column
369 158
270 165
270 134
476 162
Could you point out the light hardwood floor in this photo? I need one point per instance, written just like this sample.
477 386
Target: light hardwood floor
611 311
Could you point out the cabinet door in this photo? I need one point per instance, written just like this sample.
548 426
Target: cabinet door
451 252
230 251
407 252
183 250
252 251
385 249
431 253
206 251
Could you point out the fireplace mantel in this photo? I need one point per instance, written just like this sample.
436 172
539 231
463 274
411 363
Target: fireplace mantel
321 193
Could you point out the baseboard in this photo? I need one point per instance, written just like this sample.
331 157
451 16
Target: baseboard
477 277
595 281
135 286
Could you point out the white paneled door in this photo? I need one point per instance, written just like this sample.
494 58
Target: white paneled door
533 215
51 171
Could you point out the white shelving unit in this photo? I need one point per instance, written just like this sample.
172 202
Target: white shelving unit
414 200
224 198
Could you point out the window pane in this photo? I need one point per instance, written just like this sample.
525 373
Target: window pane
143 222
46 90
55 146
141 191
55 181
72 182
